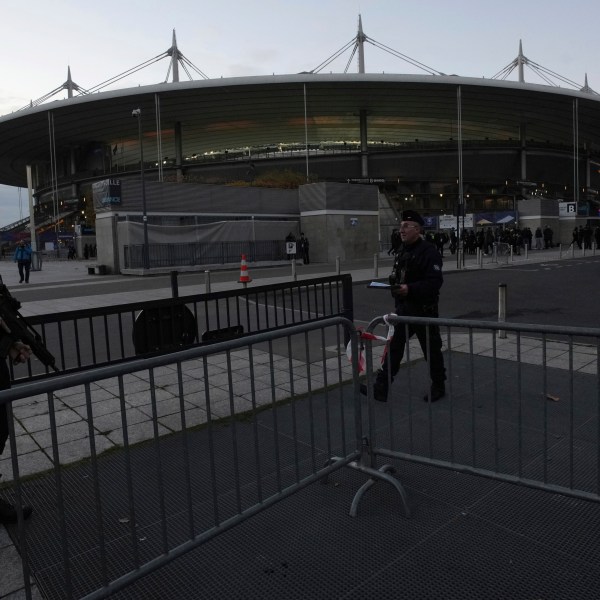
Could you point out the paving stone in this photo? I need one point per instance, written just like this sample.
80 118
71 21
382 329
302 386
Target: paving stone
64 433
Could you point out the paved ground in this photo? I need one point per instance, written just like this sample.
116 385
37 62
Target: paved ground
33 436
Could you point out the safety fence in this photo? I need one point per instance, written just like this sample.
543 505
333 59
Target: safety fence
152 458
522 404
203 253
105 335
227 431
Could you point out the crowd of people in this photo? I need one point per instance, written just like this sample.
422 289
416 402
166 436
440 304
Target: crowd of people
518 238
583 237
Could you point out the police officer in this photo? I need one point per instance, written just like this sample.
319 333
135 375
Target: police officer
416 280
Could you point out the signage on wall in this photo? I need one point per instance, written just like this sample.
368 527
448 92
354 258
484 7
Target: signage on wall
450 221
367 180
106 192
567 209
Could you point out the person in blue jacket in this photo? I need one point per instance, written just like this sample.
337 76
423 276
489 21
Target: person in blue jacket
23 260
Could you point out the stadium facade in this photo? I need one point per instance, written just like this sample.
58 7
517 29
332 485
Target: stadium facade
364 147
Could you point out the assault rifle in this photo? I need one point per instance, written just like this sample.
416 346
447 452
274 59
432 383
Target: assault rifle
19 329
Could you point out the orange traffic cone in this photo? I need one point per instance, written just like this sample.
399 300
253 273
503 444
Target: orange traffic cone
244 275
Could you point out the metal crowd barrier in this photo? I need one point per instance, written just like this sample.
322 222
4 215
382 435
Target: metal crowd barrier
521 408
230 430
86 338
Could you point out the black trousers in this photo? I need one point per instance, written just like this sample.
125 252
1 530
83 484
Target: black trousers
24 267
430 341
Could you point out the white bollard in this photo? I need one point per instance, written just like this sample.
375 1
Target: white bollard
337 265
207 281
502 308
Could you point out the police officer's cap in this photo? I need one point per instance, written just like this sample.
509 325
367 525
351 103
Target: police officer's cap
414 216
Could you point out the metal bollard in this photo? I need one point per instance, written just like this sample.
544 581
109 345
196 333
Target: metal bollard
512 254
174 286
459 262
337 265
593 248
573 251
375 266
294 274
526 251
560 251
207 281
502 308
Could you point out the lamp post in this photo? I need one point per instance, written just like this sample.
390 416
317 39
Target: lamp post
137 113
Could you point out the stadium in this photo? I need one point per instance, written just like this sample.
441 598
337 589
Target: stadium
154 176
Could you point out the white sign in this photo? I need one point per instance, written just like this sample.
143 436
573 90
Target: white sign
290 247
567 209
450 221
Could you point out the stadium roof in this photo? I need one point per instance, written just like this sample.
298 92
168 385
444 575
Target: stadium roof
217 114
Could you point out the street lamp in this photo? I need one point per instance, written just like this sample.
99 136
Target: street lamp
137 113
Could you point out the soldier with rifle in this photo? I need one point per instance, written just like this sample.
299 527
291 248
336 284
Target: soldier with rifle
18 341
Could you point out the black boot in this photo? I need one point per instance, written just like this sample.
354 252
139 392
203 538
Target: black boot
438 391
380 387
8 513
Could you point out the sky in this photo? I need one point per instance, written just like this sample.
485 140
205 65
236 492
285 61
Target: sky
471 38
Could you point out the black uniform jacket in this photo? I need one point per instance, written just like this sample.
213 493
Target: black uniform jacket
420 267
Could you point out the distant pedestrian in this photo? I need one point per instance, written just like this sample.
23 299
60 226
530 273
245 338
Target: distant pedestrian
23 260
304 249
548 233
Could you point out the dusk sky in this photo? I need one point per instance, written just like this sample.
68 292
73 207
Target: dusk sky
473 38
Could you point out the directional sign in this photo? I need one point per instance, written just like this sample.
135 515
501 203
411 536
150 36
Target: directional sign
567 209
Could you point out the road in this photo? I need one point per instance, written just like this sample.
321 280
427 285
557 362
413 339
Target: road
554 293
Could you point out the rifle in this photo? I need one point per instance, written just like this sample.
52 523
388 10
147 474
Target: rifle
19 330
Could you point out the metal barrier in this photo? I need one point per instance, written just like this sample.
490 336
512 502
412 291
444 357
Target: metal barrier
203 253
501 253
100 336
522 410
228 430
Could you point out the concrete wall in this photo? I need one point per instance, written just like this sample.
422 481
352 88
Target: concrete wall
332 236
538 212
340 220
108 243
